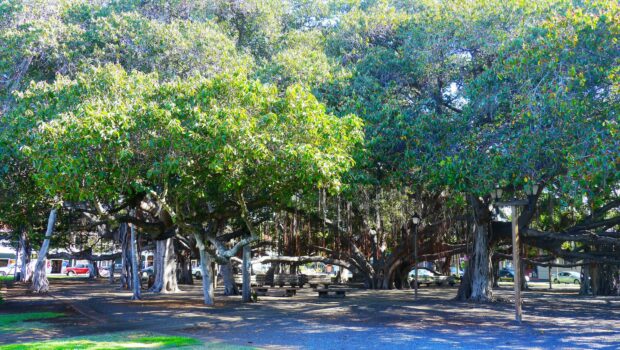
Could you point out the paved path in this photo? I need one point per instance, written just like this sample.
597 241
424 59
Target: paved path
364 319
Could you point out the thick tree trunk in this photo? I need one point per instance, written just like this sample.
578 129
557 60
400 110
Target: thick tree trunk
165 267
495 273
93 270
478 284
585 283
205 270
184 269
608 280
230 288
404 276
112 271
25 271
40 284
135 272
125 240
524 284
246 270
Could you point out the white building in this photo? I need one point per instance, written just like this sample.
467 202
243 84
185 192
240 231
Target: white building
7 254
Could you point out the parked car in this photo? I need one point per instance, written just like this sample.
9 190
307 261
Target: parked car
198 274
566 277
507 275
104 271
7 270
428 277
78 269
455 272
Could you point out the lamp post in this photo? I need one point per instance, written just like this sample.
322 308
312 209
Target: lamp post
416 221
516 259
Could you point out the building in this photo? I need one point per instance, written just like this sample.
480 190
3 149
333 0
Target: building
7 254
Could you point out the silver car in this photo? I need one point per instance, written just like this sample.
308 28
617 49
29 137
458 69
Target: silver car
566 277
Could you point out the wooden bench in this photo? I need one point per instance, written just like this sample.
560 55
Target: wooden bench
332 293
284 279
314 282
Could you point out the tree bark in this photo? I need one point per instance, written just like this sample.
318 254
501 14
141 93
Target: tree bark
112 271
26 272
585 283
495 273
230 287
165 268
608 280
125 240
184 268
135 272
205 270
481 266
40 284
246 270
93 270
477 284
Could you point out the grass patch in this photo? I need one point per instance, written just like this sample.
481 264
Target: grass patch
111 342
13 323
8 278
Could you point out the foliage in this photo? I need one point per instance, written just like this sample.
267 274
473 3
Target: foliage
392 106
110 133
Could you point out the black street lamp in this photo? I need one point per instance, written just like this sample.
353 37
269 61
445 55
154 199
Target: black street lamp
416 221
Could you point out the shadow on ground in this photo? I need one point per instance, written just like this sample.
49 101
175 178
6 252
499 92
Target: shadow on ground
365 319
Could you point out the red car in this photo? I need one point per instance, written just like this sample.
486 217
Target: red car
79 269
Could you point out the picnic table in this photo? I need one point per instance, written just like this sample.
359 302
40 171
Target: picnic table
284 279
315 281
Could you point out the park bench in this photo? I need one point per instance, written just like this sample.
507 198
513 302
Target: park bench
239 280
284 279
261 279
315 281
332 293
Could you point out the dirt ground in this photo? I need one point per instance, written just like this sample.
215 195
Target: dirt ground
364 319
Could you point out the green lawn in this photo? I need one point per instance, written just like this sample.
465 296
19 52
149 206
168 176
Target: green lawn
15 323
6 278
123 340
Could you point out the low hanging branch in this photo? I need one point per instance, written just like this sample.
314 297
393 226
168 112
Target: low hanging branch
297 260
548 261
84 256
584 236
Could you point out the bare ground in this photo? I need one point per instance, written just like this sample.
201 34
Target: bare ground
364 319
